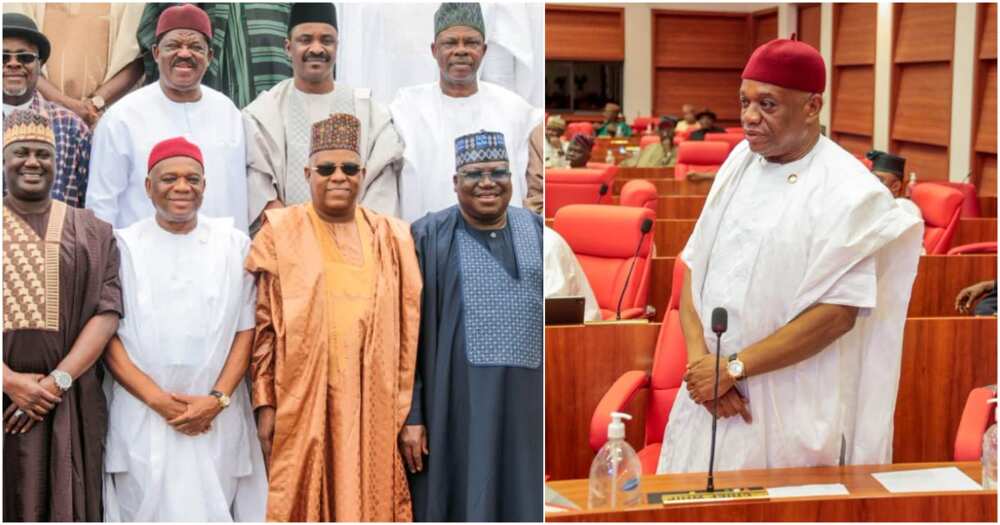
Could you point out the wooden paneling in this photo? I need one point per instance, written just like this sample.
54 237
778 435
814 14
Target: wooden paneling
941 277
854 34
988 38
584 33
866 501
923 106
986 131
715 89
856 144
680 206
928 162
943 358
924 33
987 168
984 151
765 28
717 40
661 284
853 109
581 364
809 24
975 230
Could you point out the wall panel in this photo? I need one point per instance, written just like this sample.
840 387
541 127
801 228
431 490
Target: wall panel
584 33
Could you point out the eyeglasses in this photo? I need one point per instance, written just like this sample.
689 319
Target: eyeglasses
349 168
24 58
472 177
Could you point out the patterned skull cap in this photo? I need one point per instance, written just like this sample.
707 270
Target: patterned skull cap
339 131
482 146
452 14
24 125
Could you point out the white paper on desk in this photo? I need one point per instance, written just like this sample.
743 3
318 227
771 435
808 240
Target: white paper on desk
801 491
944 479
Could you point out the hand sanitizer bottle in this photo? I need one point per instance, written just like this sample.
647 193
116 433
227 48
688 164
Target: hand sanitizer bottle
989 453
616 470
911 183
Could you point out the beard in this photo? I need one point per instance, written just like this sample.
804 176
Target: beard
15 92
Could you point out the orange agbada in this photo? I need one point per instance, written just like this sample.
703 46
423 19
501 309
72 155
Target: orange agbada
340 399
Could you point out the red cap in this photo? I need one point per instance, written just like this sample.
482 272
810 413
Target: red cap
187 16
787 63
175 147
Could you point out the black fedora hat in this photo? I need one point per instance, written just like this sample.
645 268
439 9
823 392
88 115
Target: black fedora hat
18 25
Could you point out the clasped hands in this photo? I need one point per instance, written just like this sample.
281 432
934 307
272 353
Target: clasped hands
700 379
189 415
33 396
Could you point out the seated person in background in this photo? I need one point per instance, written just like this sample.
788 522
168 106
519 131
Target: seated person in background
555 148
981 295
690 120
578 150
564 276
889 169
662 154
614 124
706 122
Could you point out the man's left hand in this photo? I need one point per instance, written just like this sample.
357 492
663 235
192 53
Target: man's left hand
197 419
700 378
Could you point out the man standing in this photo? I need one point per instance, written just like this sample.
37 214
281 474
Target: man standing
662 154
279 121
181 440
706 124
555 148
430 116
471 440
177 105
62 302
578 151
890 171
338 311
25 50
814 263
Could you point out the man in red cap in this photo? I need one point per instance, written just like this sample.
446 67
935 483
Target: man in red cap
177 105
182 444
813 262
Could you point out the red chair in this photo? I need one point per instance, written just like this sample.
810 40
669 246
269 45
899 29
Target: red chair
681 136
976 247
564 186
970 206
604 239
977 416
587 128
640 124
736 129
729 138
699 156
663 383
646 140
941 207
639 193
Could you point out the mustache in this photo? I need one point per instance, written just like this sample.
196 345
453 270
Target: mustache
187 61
312 57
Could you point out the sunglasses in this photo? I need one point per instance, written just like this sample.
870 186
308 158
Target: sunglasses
477 176
23 58
349 168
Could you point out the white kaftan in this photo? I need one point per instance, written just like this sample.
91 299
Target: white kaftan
564 276
766 249
126 134
186 297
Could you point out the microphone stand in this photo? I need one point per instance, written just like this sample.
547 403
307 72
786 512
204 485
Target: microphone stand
715 414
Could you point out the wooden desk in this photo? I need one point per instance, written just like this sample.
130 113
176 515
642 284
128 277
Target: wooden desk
975 230
867 501
988 205
943 359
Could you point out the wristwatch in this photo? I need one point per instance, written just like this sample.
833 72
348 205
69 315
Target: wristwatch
735 367
223 398
98 102
63 380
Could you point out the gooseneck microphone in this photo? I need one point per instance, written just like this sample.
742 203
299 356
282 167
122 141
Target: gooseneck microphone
602 192
720 321
647 225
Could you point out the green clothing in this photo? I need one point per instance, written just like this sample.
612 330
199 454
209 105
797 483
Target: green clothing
652 156
248 41
624 130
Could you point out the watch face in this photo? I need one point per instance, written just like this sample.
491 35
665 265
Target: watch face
735 368
62 379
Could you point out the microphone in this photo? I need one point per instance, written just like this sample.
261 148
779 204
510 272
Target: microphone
720 322
647 225
602 192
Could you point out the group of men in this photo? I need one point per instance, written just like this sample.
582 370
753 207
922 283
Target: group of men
394 368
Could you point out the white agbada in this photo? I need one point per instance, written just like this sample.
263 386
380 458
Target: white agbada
766 249
387 47
910 207
564 277
186 297
429 121
132 126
